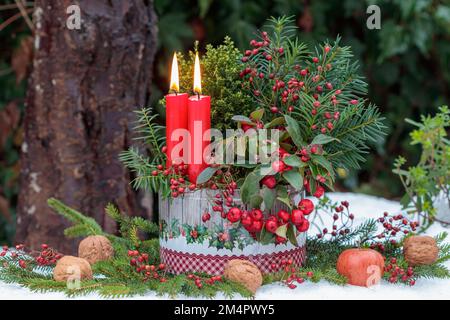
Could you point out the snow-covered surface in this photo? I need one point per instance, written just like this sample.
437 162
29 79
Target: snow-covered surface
363 207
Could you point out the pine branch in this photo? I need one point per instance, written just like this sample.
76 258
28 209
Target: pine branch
83 225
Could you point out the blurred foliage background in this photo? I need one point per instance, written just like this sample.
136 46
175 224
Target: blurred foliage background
406 63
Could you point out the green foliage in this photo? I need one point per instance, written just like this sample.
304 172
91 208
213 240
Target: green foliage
152 136
116 277
220 68
429 179
317 96
405 62
130 226
82 225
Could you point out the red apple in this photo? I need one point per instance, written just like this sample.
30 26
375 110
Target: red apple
361 267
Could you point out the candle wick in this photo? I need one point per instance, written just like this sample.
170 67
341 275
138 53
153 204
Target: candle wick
198 95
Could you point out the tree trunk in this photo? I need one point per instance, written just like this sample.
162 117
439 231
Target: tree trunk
83 89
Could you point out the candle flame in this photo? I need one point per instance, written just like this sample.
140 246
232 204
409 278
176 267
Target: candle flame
174 79
197 76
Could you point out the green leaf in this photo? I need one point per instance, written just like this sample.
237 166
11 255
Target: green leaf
204 7
286 201
282 191
250 187
269 196
257 114
291 235
243 119
294 131
255 201
205 175
405 201
323 139
294 161
294 178
323 162
275 122
265 237
281 231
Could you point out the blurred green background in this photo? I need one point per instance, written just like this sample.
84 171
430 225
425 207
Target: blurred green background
406 63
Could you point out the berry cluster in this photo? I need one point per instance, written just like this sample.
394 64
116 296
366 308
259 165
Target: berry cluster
254 220
177 172
139 261
290 274
199 280
264 67
46 257
342 220
393 225
397 274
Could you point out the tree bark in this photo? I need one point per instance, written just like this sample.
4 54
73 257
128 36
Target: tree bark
83 89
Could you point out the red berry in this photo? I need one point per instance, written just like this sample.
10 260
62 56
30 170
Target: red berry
284 215
315 59
269 181
304 226
268 57
22 264
271 226
319 192
256 214
234 215
297 217
206 216
246 220
280 240
256 225
278 166
306 205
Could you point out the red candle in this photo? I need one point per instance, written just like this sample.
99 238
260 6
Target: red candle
199 124
176 118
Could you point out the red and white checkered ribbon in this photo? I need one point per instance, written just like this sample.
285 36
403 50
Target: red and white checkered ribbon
183 262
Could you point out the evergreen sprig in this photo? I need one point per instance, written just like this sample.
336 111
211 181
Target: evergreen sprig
82 225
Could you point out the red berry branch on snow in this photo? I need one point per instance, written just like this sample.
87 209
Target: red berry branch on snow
46 257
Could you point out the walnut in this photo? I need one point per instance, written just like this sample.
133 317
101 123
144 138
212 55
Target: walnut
95 248
69 267
243 272
420 250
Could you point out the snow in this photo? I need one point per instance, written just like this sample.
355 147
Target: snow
363 206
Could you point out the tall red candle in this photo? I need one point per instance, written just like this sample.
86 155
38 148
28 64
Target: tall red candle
199 124
176 118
